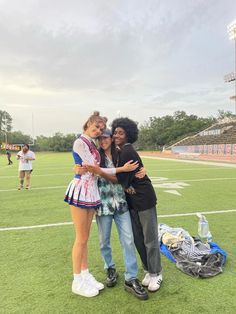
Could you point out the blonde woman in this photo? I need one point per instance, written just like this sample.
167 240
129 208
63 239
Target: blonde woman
83 197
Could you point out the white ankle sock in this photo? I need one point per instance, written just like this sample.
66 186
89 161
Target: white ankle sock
85 271
77 277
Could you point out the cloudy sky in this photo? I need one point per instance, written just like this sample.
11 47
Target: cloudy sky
61 60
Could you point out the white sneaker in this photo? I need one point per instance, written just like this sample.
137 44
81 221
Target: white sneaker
155 283
146 280
81 287
92 281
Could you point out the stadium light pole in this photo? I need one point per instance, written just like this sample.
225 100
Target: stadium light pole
232 36
5 126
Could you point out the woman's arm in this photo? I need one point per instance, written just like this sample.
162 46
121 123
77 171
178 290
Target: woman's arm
141 173
82 149
109 173
128 166
18 156
126 178
102 172
106 173
78 169
31 156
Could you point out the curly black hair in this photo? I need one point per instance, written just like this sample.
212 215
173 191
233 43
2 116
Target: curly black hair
129 126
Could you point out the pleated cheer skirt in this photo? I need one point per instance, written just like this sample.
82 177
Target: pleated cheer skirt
83 192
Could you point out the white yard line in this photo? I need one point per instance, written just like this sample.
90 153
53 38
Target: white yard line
41 167
202 162
196 180
69 174
159 216
167 181
39 188
4 167
194 213
209 179
185 169
41 175
37 226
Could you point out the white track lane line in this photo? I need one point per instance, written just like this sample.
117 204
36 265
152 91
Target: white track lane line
159 216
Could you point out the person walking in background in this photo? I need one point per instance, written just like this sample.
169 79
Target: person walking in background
142 200
8 153
25 157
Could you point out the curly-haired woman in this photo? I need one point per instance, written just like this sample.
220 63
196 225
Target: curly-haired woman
142 201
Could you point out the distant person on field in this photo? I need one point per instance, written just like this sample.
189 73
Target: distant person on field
25 157
8 153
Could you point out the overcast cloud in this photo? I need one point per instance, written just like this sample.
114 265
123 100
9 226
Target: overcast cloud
61 60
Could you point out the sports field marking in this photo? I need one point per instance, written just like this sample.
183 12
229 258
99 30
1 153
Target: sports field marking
37 226
41 175
201 162
174 180
71 174
159 216
186 169
202 212
174 192
41 167
4 167
199 180
39 188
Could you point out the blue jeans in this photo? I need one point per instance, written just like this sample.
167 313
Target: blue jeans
124 228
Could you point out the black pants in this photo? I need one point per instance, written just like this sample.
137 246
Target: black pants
145 230
9 161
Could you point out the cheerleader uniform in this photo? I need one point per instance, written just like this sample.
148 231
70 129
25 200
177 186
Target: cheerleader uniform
83 189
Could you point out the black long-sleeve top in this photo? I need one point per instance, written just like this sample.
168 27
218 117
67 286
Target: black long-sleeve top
144 197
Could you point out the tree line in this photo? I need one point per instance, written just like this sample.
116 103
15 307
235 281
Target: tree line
154 134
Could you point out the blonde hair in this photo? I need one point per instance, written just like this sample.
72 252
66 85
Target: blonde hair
95 118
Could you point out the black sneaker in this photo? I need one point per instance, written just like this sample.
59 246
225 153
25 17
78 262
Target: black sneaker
112 276
134 286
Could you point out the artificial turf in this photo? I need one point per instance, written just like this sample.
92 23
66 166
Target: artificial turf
35 263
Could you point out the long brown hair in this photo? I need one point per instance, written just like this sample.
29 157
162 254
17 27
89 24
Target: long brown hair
114 155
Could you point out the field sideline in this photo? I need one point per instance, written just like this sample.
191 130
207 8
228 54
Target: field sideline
36 257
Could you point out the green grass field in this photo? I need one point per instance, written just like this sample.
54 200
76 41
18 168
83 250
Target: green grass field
35 263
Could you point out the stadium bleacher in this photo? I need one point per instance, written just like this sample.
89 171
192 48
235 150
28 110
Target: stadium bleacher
220 138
